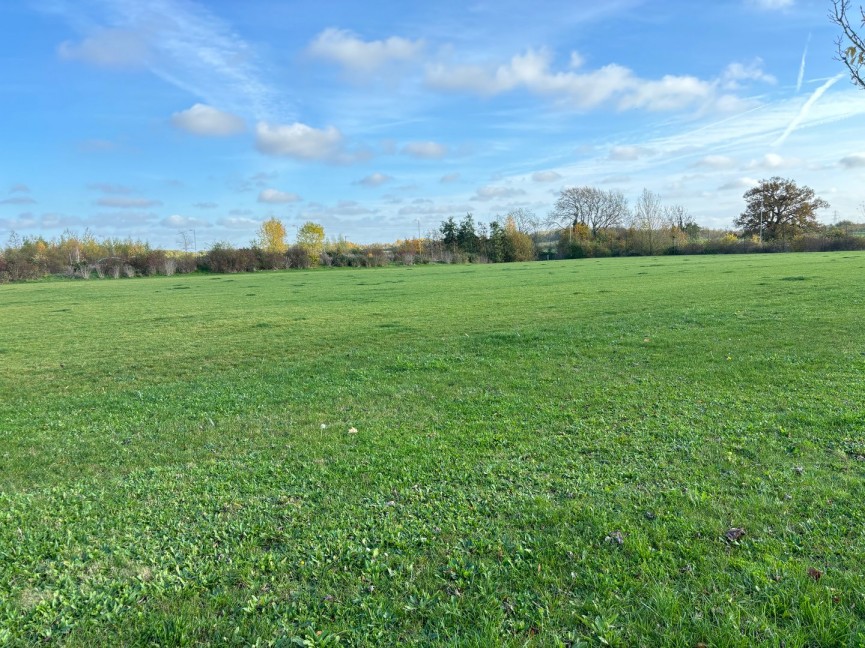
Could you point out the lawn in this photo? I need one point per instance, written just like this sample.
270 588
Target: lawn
543 454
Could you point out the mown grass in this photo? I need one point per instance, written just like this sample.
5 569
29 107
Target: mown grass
165 478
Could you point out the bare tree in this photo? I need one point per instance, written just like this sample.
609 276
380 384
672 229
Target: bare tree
185 240
648 216
591 207
525 220
850 48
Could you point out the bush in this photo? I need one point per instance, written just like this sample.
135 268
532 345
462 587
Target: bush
298 257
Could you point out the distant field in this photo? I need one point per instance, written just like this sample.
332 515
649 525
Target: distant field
547 454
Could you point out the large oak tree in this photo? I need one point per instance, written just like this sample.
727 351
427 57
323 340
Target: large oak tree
779 208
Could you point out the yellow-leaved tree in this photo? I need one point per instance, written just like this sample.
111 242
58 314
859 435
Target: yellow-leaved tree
271 236
310 236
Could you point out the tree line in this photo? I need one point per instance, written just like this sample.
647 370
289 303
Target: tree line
585 221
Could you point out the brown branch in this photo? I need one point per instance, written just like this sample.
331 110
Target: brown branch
852 56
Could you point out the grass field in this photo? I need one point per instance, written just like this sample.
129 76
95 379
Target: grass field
546 454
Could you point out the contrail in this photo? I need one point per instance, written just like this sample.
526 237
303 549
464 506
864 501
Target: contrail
803 112
802 66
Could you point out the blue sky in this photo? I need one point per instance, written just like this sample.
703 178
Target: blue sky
147 118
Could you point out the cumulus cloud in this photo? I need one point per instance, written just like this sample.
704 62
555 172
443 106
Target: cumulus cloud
716 162
18 200
739 184
429 208
346 49
109 188
342 208
586 89
110 48
855 161
299 141
238 223
737 72
374 180
425 150
176 220
276 197
492 192
208 121
629 153
546 176
128 203
583 89
771 4
771 161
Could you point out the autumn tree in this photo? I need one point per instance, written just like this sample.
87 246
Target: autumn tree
271 236
648 218
310 237
589 206
519 246
779 208
851 45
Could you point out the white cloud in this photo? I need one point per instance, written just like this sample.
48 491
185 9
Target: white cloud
276 197
375 180
351 52
532 71
584 90
19 188
771 161
206 205
299 141
238 223
806 108
342 208
771 4
546 176
128 203
736 72
111 48
855 161
18 200
492 192
208 121
429 208
425 150
176 220
629 153
717 162
739 184
110 188
183 43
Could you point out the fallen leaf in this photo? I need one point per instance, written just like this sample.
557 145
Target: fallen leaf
816 574
352 430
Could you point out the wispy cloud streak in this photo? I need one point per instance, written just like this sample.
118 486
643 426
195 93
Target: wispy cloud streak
806 107
802 66
183 43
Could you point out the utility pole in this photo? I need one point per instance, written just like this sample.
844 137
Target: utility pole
761 220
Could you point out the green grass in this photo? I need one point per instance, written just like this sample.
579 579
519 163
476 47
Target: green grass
165 478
